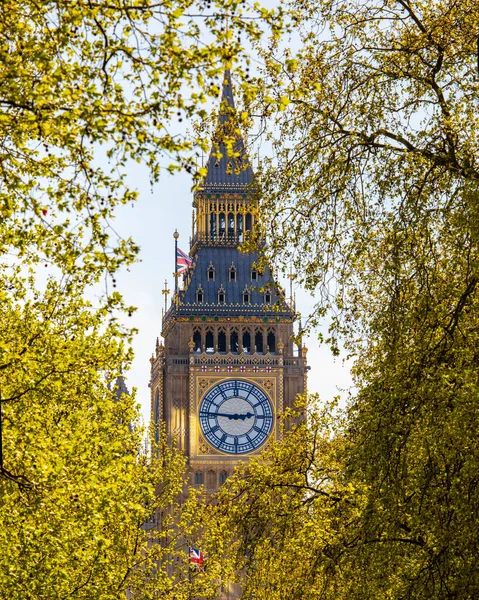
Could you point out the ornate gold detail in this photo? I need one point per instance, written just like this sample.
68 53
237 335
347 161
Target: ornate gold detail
203 446
203 383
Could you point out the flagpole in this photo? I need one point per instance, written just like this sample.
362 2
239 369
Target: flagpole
176 235
189 572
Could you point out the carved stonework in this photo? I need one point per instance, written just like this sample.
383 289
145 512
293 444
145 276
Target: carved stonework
203 447
180 403
268 384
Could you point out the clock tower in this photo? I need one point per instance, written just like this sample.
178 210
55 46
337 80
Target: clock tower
227 367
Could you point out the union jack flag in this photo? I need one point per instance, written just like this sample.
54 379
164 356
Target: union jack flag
197 558
183 261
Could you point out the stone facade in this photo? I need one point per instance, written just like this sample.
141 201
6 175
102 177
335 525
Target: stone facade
228 323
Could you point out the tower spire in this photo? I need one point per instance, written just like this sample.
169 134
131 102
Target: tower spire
228 167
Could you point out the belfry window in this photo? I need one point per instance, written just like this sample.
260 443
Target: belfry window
239 227
222 224
197 340
246 341
200 296
221 341
249 222
234 342
210 341
271 341
213 224
231 224
258 341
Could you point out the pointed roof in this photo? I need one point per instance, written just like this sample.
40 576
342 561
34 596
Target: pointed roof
227 173
119 387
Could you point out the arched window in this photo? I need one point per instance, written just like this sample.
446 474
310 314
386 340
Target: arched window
211 272
267 297
232 272
222 224
258 341
210 341
239 227
246 341
211 480
271 341
246 296
234 341
221 295
231 224
197 340
249 221
213 225
254 275
223 477
199 479
200 296
221 341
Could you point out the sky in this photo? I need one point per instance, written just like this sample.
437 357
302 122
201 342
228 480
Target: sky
151 222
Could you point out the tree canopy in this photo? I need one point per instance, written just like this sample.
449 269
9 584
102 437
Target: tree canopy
373 197
86 87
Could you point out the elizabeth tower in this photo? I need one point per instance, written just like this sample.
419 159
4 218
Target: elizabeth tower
227 368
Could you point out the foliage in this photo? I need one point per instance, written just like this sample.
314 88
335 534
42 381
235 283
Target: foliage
373 198
77 492
86 88
286 512
378 127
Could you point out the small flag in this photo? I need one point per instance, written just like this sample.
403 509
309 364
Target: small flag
197 558
183 261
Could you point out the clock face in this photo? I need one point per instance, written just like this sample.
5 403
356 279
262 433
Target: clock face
236 417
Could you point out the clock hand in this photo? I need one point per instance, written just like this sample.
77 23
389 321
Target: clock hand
234 416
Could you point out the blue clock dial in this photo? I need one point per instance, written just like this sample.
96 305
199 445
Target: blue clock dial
236 417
